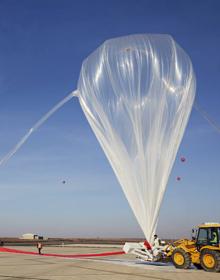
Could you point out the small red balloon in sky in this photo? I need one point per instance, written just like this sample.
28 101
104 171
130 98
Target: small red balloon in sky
183 159
178 178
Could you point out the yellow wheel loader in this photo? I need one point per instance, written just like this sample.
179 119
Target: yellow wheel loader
203 251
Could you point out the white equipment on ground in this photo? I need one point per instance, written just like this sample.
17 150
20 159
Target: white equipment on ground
145 253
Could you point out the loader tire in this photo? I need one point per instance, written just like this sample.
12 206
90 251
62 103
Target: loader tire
181 259
210 260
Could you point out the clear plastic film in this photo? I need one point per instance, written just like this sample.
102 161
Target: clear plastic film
137 93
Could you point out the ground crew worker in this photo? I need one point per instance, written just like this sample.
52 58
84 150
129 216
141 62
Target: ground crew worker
156 243
214 238
39 247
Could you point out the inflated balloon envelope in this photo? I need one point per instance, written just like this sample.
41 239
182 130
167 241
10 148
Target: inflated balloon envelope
137 93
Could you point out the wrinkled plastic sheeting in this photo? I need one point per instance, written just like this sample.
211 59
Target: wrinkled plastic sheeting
137 93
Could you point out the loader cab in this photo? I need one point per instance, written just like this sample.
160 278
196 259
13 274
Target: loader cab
208 235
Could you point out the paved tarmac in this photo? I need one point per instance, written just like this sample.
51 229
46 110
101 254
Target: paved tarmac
19 266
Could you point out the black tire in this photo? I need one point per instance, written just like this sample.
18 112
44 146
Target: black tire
212 266
183 257
198 265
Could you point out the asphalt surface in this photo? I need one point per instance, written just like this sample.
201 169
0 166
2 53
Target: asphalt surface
20 266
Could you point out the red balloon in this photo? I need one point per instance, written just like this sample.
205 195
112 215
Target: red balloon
183 159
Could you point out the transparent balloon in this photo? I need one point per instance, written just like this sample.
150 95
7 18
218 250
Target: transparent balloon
137 93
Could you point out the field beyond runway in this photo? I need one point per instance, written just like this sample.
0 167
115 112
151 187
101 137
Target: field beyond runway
20 266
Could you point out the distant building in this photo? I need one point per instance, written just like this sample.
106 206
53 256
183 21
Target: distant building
31 236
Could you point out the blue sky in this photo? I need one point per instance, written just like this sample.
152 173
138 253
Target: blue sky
42 46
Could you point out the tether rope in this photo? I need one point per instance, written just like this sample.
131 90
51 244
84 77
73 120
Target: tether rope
104 254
